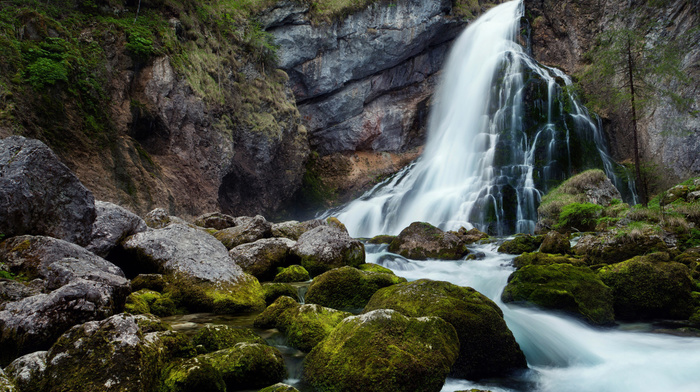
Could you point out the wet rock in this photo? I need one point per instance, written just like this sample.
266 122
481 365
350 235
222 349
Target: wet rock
293 273
421 241
563 287
263 257
243 295
487 346
556 243
276 290
193 375
293 229
180 249
538 258
327 247
384 350
215 220
303 325
348 287
27 371
470 236
112 225
148 301
648 287
382 239
246 231
218 337
610 248
39 195
521 244
371 267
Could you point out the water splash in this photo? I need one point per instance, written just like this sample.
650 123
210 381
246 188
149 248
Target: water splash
503 131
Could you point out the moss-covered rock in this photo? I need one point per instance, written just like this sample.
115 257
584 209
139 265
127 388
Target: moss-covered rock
691 259
563 287
677 192
348 287
263 257
248 365
556 243
487 346
215 220
470 236
539 258
371 267
421 241
149 301
244 295
383 351
279 387
219 337
293 229
193 375
293 273
612 247
521 244
304 325
648 287
382 239
155 282
250 230
177 345
276 290
327 247
5 384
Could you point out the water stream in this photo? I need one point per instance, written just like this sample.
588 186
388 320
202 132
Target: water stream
564 354
503 131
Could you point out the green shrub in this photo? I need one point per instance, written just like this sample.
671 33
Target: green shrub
139 46
45 72
579 216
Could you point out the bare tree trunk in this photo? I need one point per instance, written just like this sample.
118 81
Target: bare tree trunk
637 164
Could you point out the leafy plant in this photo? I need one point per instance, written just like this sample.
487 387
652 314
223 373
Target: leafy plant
45 71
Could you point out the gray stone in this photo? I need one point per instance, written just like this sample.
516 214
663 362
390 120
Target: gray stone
215 220
40 195
112 224
262 257
294 229
5 383
159 218
693 196
247 229
27 371
180 249
11 290
327 247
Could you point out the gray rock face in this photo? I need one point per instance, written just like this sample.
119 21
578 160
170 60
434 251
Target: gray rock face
180 249
364 82
215 220
247 229
112 224
40 195
27 371
159 218
262 258
328 247
11 290
293 229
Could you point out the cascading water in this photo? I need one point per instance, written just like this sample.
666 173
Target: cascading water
500 134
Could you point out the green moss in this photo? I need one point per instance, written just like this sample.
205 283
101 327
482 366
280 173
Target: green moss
370 267
348 287
246 295
578 216
487 347
194 375
276 290
219 337
178 345
148 301
293 273
421 241
382 239
521 244
574 289
538 258
248 365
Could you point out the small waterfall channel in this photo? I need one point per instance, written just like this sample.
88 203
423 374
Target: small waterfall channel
503 131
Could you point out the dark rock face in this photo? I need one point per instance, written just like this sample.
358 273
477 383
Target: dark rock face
39 195
112 224
364 83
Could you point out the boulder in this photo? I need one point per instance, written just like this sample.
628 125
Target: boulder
556 243
155 282
294 229
470 236
215 220
564 287
244 295
487 346
673 194
5 384
263 257
693 197
538 258
382 239
193 375
248 365
247 230
159 218
218 337
303 325
611 247
383 350
371 267
11 290
39 195
327 247
114 354
180 249
521 244
293 273
421 241
276 290
27 371
279 387
649 287
149 301
348 287
112 225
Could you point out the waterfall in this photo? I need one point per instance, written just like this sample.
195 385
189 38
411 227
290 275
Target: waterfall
503 130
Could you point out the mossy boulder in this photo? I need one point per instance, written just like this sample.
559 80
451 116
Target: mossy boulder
304 325
555 243
294 229
276 290
677 192
521 244
470 236
193 375
5 384
249 230
383 351
248 365
382 239
371 267
539 258
26 373
263 257
487 346
564 287
218 337
348 287
149 301
691 259
155 282
215 220
612 247
293 273
243 295
327 247
279 387
422 241
649 287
